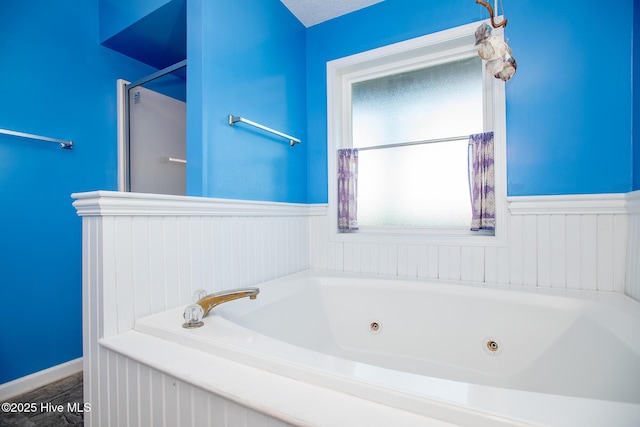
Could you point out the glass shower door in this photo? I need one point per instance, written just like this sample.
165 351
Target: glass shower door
156 133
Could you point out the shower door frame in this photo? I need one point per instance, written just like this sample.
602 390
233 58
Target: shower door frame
124 87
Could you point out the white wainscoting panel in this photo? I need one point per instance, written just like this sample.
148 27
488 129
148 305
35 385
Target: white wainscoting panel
153 262
134 394
633 248
576 242
148 253
143 254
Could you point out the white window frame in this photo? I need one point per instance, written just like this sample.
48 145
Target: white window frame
429 50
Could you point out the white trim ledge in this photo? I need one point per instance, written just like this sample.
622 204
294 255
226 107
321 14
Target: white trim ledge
633 202
38 379
575 204
114 203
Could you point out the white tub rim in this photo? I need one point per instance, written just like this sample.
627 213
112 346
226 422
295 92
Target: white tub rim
598 407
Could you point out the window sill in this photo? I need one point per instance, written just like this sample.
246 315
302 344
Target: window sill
420 236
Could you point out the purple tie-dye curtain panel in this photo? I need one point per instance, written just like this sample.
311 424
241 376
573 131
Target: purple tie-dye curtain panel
482 182
347 189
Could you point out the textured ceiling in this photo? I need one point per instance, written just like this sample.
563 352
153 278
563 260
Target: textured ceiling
312 12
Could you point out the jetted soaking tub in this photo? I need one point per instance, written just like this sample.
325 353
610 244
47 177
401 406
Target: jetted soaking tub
464 354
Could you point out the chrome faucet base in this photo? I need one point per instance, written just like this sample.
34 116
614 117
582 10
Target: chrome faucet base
192 325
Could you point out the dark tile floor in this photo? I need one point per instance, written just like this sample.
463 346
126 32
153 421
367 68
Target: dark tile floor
57 404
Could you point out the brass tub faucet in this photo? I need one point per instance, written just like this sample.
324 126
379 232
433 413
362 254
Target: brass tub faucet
194 313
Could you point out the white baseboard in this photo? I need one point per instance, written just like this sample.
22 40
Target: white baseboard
38 379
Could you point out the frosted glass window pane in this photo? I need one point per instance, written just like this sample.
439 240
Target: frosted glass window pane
435 102
419 186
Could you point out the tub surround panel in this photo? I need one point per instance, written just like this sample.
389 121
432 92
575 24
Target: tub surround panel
576 242
230 394
633 248
149 256
144 254
138 395
633 256
155 262
633 202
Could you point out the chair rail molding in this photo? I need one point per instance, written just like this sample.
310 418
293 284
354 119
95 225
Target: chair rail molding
114 203
572 204
633 202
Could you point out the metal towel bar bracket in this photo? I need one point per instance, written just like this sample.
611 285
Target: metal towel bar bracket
235 119
67 145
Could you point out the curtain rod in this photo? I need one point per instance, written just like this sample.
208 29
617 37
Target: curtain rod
424 141
67 145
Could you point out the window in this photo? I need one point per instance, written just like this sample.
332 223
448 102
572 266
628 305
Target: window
423 184
409 109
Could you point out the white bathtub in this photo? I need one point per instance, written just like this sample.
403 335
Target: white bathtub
567 358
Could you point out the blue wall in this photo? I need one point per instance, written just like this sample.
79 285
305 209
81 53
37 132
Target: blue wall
568 106
56 80
115 16
246 58
151 31
636 96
